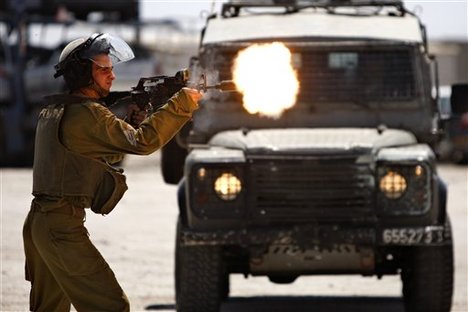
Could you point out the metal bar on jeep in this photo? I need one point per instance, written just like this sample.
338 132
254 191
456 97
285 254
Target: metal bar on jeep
233 8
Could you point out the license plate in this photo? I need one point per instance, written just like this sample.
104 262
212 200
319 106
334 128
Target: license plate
413 236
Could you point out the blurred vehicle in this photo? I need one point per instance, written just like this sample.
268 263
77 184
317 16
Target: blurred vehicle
5 95
454 104
5 68
124 9
39 74
121 10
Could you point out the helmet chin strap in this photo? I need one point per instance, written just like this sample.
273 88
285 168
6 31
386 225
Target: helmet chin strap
99 90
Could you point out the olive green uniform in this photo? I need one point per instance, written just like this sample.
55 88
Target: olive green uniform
76 139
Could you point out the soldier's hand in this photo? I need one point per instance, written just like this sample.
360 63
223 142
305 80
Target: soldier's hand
135 115
193 93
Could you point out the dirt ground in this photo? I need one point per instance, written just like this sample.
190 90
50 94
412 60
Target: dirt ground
137 240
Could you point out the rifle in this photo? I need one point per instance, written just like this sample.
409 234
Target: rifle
157 90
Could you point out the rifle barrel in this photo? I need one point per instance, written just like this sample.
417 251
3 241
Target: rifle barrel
225 85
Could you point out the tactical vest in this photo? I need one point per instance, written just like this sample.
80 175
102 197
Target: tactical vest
60 172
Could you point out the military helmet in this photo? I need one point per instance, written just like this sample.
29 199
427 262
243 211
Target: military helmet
75 60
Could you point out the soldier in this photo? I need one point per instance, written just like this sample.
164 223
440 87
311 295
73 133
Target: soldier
77 139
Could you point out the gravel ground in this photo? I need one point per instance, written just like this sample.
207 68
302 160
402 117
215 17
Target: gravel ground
137 240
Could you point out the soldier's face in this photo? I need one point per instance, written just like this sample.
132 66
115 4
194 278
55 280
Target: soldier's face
102 71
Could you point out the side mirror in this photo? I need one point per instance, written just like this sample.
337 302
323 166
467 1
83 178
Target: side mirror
459 99
443 103
194 60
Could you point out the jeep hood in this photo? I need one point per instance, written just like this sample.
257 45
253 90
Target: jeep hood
316 141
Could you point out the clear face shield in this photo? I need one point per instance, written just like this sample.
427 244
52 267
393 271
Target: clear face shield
117 49
81 49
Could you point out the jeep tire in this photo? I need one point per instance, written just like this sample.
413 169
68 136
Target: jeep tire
199 277
428 278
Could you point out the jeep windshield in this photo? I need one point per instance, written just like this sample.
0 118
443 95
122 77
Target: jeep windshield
341 72
342 83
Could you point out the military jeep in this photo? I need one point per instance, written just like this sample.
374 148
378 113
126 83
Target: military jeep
344 182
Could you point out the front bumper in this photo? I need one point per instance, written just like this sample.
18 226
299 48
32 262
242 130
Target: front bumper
320 236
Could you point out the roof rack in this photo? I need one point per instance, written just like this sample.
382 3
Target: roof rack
232 8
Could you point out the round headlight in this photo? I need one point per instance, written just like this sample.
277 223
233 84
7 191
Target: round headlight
393 185
227 186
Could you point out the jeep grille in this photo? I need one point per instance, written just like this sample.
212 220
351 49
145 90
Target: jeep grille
325 189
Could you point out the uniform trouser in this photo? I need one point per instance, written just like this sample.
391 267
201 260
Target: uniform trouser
65 268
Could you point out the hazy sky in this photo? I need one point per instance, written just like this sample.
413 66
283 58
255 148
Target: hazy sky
443 18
